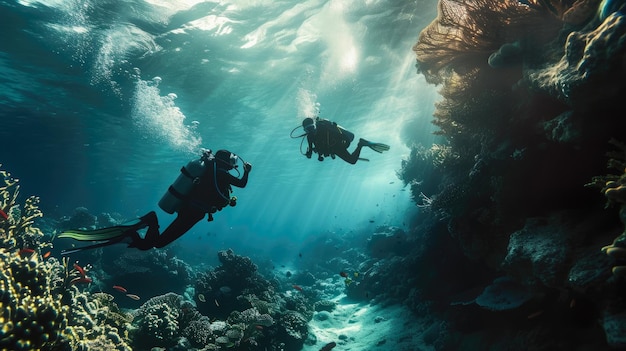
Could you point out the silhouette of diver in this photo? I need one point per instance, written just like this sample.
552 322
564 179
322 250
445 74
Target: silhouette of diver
203 187
327 138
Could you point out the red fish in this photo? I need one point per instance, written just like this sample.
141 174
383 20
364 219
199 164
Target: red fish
297 287
3 214
120 288
46 255
343 274
79 269
26 251
329 346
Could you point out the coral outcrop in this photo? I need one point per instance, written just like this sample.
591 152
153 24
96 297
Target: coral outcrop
531 91
32 314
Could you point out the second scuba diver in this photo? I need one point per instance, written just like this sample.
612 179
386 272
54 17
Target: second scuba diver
327 138
203 187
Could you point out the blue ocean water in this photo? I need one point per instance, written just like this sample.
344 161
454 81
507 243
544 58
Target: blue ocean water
102 102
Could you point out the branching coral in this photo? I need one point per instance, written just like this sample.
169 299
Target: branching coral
17 230
466 32
32 315
96 323
424 168
40 308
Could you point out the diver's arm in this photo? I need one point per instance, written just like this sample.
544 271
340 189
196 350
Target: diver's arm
240 182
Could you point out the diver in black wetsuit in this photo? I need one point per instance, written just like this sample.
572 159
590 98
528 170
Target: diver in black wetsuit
327 138
209 190
208 198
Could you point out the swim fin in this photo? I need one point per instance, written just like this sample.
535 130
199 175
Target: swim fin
108 236
94 246
378 147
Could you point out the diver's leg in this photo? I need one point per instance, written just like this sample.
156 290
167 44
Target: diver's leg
151 221
186 219
350 158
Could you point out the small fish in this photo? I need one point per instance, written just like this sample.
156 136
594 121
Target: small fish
3 214
79 269
26 251
85 280
120 288
535 314
343 274
258 327
300 255
329 346
133 296
46 255
297 287
201 298
356 274
216 304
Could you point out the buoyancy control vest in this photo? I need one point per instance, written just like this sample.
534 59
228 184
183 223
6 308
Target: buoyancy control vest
190 176
329 135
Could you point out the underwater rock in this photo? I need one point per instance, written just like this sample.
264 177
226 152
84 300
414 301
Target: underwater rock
324 305
80 219
292 330
591 55
389 242
507 55
537 254
615 329
240 267
503 294
589 269
563 128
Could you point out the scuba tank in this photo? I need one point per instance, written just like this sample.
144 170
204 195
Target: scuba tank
184 184
346 135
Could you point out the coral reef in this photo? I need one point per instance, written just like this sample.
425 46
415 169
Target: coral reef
42 308
33 317
160 321
221 287
530 93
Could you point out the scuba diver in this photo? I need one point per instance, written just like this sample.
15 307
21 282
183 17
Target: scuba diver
327 138
203 187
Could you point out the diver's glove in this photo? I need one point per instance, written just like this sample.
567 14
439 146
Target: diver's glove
247 167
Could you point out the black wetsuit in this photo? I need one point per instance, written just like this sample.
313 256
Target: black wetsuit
210 195
329 140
